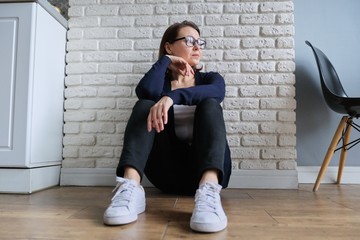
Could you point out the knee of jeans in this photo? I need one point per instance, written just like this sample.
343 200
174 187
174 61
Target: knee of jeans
209 104
141 109
144 104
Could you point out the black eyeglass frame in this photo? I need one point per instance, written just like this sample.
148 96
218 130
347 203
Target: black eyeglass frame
195 41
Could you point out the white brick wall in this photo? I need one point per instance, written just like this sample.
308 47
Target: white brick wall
112 43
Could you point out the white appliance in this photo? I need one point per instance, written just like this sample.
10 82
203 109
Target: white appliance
32 72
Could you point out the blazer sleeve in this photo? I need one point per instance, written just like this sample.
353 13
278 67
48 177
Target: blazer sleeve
209 85
152 83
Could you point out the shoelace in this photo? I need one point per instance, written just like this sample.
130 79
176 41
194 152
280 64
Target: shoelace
123 195
206 200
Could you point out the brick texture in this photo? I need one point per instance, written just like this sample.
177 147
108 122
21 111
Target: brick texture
112 43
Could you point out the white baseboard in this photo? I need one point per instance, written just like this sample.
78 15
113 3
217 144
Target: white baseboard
35 179
266 179
350 175
25 181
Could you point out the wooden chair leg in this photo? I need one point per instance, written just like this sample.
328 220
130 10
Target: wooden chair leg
344 152
330 152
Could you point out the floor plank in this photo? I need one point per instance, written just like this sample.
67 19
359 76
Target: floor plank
76 213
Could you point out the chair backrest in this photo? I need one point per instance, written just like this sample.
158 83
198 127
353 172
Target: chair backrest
330 81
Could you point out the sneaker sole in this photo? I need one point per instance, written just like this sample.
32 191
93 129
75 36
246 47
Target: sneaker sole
208 227
122 220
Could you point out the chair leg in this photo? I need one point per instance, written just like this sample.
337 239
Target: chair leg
330 152
344 151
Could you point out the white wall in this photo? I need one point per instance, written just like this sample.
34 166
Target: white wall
112 43
334 27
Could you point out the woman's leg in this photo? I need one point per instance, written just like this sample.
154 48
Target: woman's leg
210 146
211 175
170 166
138 142
210 142
178 167
129 198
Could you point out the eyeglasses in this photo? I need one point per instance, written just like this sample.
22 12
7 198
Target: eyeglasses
191 41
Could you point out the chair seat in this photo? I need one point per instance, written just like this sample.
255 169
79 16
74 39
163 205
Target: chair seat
350 106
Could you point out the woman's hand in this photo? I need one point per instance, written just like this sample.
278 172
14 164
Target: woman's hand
179 65
158 115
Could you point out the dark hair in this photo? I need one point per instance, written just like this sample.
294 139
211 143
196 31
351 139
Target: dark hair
171 33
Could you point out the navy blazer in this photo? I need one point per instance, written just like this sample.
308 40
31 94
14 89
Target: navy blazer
156 84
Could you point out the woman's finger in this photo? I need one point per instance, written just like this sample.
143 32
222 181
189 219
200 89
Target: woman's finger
165 115
149 124
160 116
152 121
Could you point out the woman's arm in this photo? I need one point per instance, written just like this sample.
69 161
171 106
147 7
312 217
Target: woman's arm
209 85
152 84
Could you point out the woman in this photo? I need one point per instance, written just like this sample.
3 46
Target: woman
176 135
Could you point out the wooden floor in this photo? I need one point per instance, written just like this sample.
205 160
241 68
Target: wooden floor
76 213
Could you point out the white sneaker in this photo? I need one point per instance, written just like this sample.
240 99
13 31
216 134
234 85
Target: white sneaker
127 203
208 214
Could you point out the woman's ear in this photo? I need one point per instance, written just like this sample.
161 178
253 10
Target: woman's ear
168 48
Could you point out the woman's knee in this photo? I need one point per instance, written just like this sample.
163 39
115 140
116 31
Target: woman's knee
209 103
142 106
144 103
209 107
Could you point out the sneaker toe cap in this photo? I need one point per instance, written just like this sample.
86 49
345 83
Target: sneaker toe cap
207 218
117 211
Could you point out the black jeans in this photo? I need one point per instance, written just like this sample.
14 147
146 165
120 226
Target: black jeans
172 165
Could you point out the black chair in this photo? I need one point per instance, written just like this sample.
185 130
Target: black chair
337 100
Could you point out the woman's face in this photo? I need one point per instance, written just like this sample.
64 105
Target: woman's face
179 48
